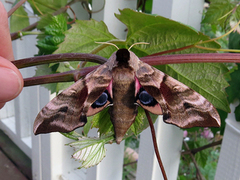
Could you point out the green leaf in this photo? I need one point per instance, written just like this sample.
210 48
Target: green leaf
223 116
103 122
217 13
53 34
233 90
90 151
44 21
82 38
234 40
202 156
162 34
43 70
42 7
237 113
57 26
19 20
140 123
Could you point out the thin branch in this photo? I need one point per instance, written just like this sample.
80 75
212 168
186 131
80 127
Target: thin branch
194 162
155 145
130 163
16 7
172 50
193 58
59 77
53 58
194 151
16 35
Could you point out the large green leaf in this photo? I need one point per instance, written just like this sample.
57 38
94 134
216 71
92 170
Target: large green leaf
42 7
218 11
162 34
19 20
82 38
233 91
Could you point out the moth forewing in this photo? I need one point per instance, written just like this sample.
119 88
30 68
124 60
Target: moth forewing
63 113
68 110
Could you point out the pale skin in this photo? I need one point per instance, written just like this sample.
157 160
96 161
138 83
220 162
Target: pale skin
11 81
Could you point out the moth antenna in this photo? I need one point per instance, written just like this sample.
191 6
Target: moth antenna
108 44
137 44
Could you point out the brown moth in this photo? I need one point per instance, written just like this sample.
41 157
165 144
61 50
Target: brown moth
123 83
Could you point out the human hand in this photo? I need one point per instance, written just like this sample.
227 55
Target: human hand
11 81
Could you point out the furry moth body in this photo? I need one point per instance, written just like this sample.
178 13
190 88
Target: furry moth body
123 83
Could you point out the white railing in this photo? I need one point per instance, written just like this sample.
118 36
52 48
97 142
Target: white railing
50 158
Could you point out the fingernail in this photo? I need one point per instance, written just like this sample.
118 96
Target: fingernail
10 84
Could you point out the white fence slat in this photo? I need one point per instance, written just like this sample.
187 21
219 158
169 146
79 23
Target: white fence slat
41 144
169 139
229 160
8 110
115 27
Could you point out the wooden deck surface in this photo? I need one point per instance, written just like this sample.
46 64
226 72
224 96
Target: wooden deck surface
14 164
8 171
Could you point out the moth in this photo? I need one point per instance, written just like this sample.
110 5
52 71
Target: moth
122 84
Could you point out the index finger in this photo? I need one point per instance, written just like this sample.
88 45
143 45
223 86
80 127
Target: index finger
5 42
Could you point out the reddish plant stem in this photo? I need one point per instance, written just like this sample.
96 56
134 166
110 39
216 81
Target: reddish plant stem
53 58
155 145
59 77
16 7
16 35
172 50
134 162
199 175
194 151
193 58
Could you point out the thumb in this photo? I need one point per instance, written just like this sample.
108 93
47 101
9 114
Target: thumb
11 81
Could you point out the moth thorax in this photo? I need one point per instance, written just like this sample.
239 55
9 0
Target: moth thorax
123 55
